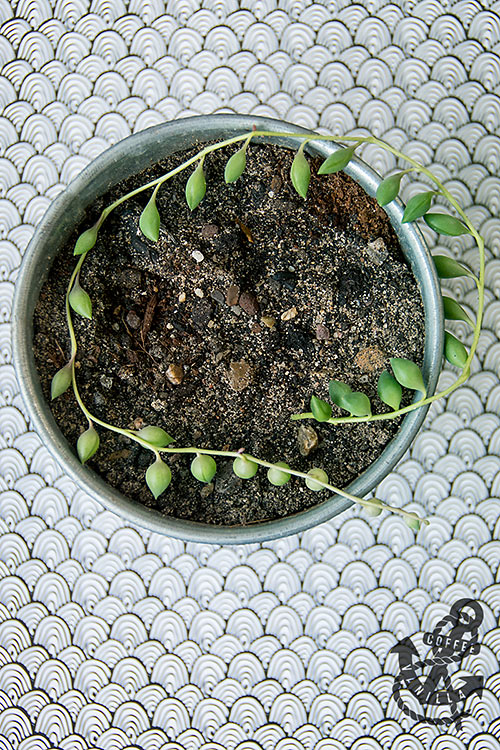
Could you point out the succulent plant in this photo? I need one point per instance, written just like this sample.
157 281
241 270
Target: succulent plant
405 373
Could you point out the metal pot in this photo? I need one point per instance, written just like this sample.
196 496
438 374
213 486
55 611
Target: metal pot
129 157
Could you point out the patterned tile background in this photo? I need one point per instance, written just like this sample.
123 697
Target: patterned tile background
117 639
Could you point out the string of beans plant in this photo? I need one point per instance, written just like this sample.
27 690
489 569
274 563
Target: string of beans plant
357 405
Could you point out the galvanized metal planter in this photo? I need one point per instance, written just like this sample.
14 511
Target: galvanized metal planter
129 157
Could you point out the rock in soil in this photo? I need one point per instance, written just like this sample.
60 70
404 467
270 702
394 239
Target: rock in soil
240 375
307 438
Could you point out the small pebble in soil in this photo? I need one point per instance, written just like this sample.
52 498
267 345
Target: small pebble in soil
268 321
226 481
322 333
370 359
240 375
182 297
117 455
217 296
209 230
377 251
175 374
199 292
289 314
248 303
307 439
106 381
207 489
232 295
197 256
133 320
158 405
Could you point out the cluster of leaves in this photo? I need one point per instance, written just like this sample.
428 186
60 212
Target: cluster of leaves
446 268
196 187
204 468
405 373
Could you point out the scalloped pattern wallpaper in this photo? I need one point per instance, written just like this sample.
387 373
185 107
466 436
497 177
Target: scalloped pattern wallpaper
113 638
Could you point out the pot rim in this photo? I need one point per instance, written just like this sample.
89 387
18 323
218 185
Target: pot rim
127 157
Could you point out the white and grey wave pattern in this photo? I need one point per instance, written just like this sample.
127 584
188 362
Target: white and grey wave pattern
116 639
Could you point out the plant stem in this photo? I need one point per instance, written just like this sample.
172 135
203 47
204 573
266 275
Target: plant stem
74 275
390 414
215 147
293 472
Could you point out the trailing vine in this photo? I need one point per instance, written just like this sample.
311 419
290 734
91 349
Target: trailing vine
405 373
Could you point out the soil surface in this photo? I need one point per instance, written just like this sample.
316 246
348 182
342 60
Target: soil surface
226 326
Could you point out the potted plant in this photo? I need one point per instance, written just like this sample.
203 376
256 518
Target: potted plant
235 137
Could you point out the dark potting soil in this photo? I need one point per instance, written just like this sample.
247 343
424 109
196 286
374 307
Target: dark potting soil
224 328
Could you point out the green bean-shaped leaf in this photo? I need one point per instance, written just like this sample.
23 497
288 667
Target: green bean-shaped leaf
196 187
300 173
321 411
315 474
61 381
389 390
155 436
244 468
338 391
454 351
453 311
236 165
158 477
337 161
277 476
203 467
413 522
87 444
417 206
149 220
388 189
447 268
374 508
86 240
446 224
357 404
408 374
80 301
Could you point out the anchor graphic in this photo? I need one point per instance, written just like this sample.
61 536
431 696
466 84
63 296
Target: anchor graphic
446 649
